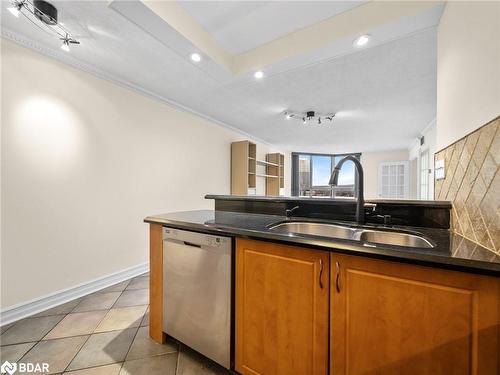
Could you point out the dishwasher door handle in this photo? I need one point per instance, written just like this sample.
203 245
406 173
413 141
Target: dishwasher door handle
191 244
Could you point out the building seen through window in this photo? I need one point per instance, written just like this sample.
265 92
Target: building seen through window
311 174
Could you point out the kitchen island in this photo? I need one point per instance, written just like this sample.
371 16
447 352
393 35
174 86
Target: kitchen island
309 304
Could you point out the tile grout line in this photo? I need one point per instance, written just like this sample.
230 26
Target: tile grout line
464 177
95 333
130 346
77 352
476 240
11 325
90 335
178 358
487 225
138 327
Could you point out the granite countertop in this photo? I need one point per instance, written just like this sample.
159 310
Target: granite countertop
451 252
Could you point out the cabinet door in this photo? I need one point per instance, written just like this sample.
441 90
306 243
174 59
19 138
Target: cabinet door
282 308
392 318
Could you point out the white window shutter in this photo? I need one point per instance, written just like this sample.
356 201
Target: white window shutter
393 180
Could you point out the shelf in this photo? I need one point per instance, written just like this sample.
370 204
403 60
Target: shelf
248 172
263 175
263 162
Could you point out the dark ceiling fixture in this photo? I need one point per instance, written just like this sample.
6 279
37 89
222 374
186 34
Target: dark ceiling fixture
45 12
309 116
43 15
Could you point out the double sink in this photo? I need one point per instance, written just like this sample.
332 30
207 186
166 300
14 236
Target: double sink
374 236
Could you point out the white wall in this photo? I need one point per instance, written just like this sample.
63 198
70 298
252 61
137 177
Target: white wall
371 161
83 162
468 68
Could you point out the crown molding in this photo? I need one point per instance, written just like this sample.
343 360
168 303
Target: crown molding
67 59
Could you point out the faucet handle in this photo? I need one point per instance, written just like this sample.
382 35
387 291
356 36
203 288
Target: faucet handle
387 219
372 206
289 212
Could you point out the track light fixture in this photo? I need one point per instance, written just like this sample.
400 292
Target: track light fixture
309 117
43 15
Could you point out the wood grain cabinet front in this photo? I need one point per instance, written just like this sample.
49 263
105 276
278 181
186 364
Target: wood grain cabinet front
282 309
393 318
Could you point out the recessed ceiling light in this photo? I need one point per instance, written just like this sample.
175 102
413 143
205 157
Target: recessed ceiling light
196 57
258 74
362 40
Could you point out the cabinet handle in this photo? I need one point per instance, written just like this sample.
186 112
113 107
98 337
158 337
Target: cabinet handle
337 276
321 273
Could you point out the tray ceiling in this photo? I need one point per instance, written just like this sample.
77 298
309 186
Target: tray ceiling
384 94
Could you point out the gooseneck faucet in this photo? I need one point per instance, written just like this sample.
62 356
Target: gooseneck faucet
334 179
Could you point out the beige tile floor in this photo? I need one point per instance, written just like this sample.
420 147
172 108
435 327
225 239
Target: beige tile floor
104 333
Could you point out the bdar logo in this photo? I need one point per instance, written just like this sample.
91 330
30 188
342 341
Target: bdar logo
8 367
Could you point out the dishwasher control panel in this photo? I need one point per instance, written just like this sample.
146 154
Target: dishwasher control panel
195 237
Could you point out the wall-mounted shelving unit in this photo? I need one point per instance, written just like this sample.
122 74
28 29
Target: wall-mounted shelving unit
246 168
275 169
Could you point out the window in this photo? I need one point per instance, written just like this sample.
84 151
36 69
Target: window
311 174
424 175
393 180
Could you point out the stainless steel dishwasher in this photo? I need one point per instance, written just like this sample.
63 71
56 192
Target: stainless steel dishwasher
197 292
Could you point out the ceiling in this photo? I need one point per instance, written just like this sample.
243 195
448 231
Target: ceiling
384 95
243 25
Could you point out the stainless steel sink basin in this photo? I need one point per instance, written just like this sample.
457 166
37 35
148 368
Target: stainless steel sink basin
315 229
392 238
383 237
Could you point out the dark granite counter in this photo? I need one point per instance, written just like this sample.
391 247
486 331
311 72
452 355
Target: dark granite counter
451 252
330 201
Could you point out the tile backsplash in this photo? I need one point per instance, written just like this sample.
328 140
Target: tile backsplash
472 184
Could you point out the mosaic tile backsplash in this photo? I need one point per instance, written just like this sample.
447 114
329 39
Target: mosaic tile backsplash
472 184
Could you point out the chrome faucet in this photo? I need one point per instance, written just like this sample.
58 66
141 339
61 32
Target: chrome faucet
334 178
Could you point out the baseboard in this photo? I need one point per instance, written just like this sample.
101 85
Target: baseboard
25 309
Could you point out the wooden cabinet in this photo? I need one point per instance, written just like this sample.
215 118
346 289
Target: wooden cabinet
282 309
156 283
393 318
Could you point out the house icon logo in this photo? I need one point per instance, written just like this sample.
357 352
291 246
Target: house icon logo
8 367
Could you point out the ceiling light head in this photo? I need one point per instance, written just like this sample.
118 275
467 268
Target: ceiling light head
67 40
45 12
15 9
258 74
362 40
288 116
196 57
65 46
